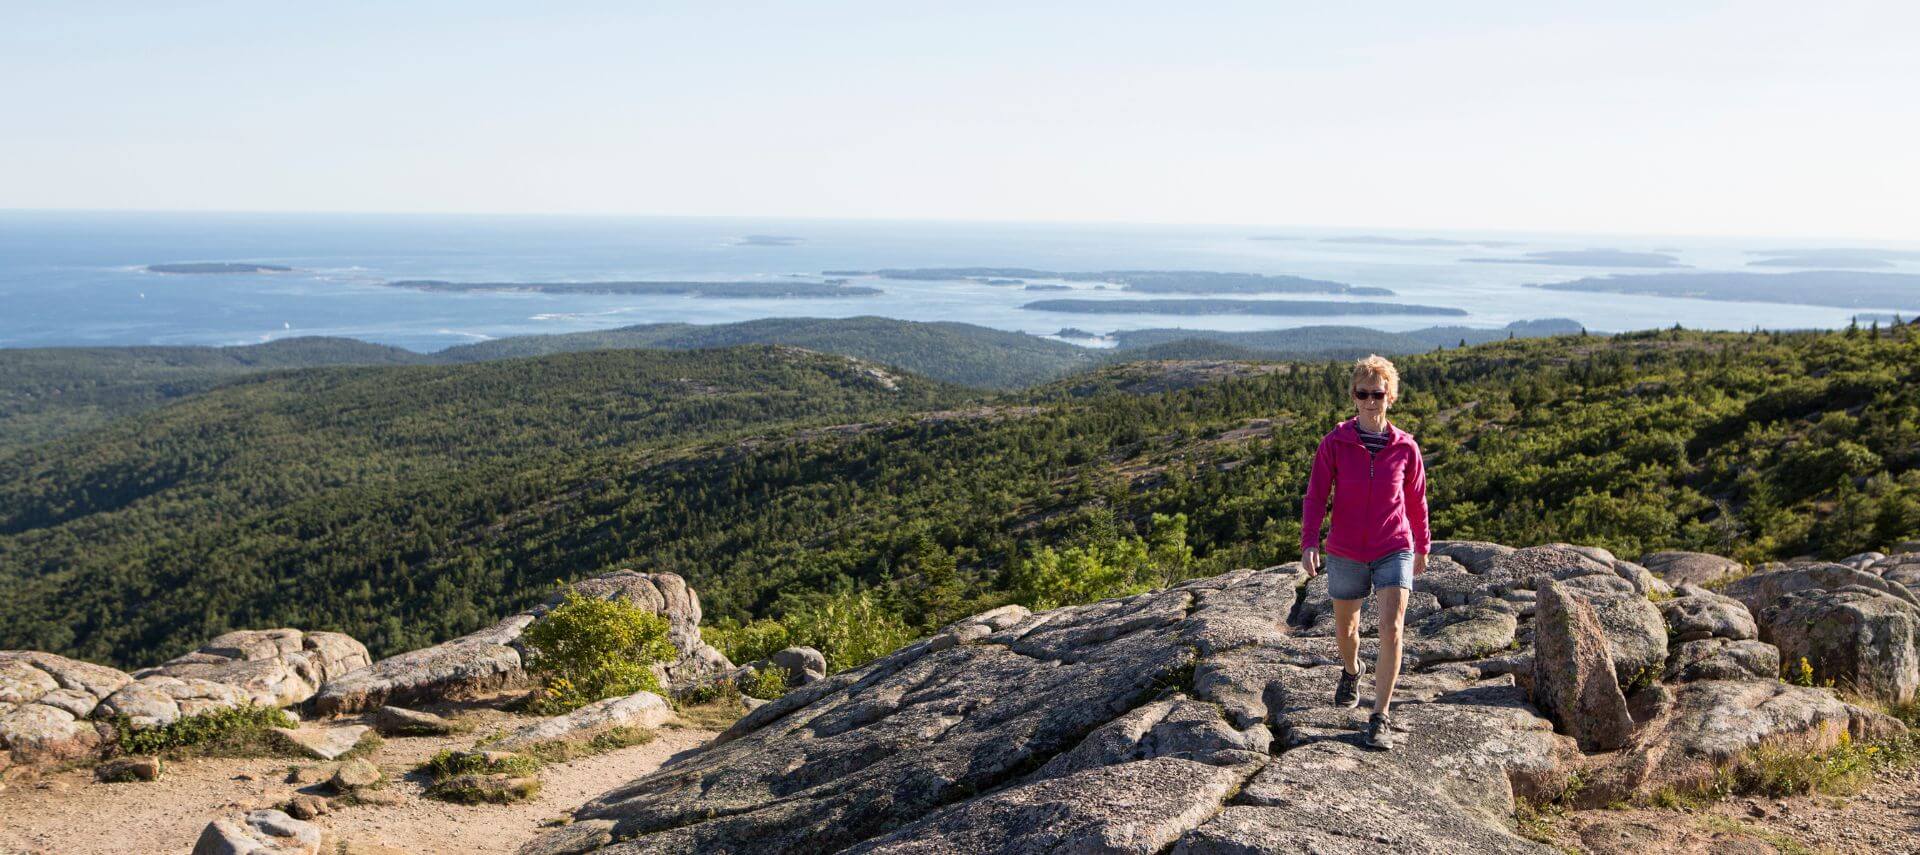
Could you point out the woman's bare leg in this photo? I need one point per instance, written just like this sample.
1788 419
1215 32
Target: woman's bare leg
1393 613
1346 632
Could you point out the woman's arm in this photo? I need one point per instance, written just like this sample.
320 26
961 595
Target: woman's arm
1416 499
1313 508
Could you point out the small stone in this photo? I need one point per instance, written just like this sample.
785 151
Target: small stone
243 777
355 774
306 806
124 769
308 775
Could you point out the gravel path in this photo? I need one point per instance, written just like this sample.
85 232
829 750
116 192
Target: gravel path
69 813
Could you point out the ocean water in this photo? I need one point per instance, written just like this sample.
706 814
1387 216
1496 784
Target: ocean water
69 278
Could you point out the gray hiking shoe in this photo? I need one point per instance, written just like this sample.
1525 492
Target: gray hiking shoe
1380 732
1347 693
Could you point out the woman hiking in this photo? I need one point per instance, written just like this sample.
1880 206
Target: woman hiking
1378 540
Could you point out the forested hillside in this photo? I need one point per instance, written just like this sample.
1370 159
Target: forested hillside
404 507
47 392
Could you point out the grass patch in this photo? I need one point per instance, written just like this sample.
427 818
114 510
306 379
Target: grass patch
766 683
473 777
244 731
1728 825
612 739
715 706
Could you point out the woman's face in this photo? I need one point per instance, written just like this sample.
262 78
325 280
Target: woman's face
1370 396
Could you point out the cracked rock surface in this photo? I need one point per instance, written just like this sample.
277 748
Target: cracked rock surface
1192 719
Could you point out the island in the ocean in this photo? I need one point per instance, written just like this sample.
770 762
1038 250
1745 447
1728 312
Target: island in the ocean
1075 333
1588 258
1048 287
1146 281
715 290
1382 240
767 240
1234 307
1842 288
217 267
1344 340
1829 258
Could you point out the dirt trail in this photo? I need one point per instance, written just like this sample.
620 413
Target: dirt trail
70 814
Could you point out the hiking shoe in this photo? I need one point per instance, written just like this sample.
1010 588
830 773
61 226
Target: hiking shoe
1380 732
1347 693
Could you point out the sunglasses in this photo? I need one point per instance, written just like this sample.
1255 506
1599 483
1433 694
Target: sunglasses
1362 394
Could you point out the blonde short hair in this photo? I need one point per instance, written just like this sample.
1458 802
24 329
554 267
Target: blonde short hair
1375 365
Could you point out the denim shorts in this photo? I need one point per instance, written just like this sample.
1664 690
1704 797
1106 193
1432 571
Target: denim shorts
1348 579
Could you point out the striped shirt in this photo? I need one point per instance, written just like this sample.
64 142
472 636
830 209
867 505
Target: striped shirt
1374 441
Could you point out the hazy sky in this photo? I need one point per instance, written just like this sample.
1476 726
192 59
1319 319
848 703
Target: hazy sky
1761 118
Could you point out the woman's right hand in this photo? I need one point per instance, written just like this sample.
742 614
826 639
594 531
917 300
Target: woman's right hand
1310 560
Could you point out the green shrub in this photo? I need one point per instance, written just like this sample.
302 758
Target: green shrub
242 730
765 683
752 642
850 630
587 649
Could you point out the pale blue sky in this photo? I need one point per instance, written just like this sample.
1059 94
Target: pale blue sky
1760 118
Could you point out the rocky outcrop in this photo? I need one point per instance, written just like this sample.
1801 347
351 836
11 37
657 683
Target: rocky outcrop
1722 659
267 667
1574 678
45 701
1187 720
1860 638
1763 589
491 659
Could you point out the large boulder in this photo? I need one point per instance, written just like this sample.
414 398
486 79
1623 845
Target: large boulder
1860 638
1698 614
1636 634
1574 681
464 668
260 832
1763 589
1126 725
1475 555
1691 568
45 701
1722 659
492 659
1711 723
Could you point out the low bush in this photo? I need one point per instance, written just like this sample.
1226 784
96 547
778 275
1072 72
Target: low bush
765 683
588 649
235 731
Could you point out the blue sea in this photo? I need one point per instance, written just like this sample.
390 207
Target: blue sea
72 278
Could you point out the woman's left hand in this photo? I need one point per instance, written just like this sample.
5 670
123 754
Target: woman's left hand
1419 563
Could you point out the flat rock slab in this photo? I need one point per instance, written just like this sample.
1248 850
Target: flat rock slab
640 709
325 743
1128 725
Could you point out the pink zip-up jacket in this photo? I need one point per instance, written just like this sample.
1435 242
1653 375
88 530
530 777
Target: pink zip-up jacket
1379 501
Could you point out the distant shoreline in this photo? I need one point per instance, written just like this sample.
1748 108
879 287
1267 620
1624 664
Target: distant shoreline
216 267
1236 307
710 290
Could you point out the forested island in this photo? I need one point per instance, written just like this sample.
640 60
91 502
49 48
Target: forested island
1235 307
715 290
1842 288
217 267
1855 259
1328 341
1588 258
1148 281
1380 240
